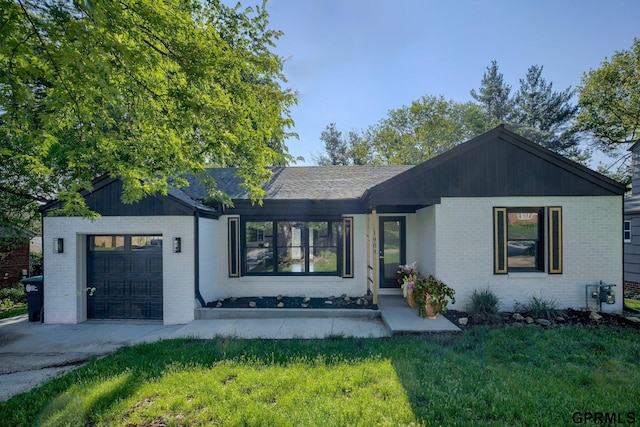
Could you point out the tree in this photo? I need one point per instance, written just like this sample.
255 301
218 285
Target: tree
493 94
428 127
609 101
335 147
143 90
544 115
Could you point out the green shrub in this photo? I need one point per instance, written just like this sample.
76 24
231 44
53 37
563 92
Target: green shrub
484 305
15 294
539 306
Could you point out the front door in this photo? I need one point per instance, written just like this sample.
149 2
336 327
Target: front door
392 250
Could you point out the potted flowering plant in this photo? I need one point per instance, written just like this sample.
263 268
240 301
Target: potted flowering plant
432 296
407 275
407 289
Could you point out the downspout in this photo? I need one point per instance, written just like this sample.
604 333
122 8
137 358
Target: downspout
196 240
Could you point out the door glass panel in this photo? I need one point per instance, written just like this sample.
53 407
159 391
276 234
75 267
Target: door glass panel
146 243
106 243
392 248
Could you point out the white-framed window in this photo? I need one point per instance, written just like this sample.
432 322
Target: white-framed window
626 231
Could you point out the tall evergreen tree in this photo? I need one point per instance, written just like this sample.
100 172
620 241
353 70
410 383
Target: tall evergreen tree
544 115
336 150
493 94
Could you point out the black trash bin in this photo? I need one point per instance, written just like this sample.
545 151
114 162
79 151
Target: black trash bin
33 286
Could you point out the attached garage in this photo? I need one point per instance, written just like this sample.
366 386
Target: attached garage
124 277
126 264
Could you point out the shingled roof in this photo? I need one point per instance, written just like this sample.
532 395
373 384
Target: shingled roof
302 183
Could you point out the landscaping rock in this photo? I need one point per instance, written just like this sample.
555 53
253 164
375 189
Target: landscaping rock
595 316
518 317
252 304
528 319
219 304
328 302
463 321
346 299
305 305
366 302
279 297
359 301
634 319
561 319
343 296
306 300
280 305
543 322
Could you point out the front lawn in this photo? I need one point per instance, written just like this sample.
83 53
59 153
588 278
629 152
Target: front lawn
485 376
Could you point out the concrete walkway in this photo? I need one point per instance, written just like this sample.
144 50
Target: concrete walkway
32 353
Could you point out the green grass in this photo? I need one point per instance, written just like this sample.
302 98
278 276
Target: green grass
486 376
633 303
16 310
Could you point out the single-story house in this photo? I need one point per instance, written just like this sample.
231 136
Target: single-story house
497 212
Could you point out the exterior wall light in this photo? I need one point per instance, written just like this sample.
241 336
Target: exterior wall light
58 245
177 245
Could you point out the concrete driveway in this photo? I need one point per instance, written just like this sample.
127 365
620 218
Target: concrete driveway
32 353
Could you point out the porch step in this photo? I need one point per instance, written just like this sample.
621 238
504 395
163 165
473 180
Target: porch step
400 318
273 313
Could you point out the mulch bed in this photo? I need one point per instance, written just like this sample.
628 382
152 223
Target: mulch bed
568 317
331 302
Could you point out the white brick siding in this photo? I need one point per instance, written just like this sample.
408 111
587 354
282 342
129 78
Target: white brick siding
66 277
591 250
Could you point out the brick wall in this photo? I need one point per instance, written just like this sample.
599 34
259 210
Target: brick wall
14 258
632 287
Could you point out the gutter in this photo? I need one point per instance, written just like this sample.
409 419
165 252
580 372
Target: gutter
196 243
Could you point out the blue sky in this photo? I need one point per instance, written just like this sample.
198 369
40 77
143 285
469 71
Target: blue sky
353 60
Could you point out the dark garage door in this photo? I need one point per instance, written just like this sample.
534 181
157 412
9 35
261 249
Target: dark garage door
126 272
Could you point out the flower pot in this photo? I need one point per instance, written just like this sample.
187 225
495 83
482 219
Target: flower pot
410 300
430 311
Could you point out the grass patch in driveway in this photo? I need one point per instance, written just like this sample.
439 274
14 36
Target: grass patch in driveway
16 310
485 376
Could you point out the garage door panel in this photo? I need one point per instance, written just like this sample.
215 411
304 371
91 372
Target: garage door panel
155 310
155 288
155 265
128 280
139 287
115 264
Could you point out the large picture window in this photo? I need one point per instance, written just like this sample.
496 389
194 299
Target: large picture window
292 247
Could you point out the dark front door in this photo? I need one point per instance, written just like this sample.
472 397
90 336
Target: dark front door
392 249
124 277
